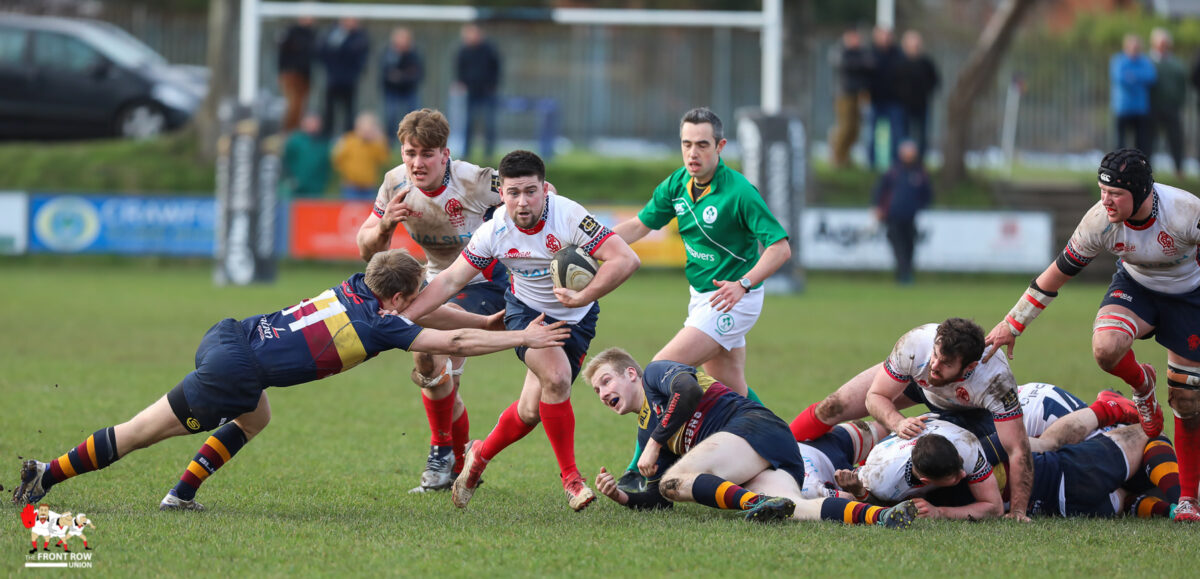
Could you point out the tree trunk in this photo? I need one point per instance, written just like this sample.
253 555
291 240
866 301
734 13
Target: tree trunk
221 28
975 77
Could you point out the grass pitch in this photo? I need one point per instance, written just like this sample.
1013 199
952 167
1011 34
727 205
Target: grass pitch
322 491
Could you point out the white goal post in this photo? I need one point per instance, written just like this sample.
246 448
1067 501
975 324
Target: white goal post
769 21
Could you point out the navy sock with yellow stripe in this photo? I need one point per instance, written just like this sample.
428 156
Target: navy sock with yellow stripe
714 491
95 453
217 450
850 512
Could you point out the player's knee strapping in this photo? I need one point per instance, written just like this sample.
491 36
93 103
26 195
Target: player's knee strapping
1161 466
447 373
95 453
1114 322
216 451
862 439
1184 393
714 491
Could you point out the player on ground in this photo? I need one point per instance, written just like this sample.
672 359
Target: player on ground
702 442
533 226
237 360
843 447
1154 231
441 202
722 220
936 364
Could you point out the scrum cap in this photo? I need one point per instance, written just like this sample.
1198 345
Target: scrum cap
1128 169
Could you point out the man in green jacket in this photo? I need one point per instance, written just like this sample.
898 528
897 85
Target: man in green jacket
306 164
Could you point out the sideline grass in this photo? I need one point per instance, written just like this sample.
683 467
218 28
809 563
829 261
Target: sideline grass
322 490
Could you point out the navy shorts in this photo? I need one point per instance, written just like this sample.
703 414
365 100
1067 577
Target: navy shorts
1086 474
838 446
1176 318
770 437
226 383
977 421
483 298
517 316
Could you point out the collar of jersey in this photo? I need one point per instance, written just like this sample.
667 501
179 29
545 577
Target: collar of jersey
1150 220
537 228
708 188
445 182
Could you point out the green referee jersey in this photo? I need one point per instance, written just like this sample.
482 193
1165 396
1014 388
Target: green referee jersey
721 230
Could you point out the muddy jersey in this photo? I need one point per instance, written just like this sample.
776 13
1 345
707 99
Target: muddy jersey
527 252
1160 254
443 220
888 473
988 386
819 482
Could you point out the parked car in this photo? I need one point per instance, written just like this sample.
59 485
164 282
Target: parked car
65 78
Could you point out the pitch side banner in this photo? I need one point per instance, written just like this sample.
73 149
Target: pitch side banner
775 160
248 170
180 226
955 241
14 223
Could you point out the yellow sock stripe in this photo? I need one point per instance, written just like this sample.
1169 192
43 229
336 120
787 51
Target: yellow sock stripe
721 489
746 497
218 446
64 462
195 468
1162 470
91 448
872 515
1145 508
1156 443
848 512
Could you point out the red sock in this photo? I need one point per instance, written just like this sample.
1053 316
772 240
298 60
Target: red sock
462 435
440 414
509 429
1107 412
35 543
85 544
1130 371
1187 451
808 427
559 422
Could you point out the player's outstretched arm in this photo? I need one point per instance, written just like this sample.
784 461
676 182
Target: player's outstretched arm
441 288
988 504
881 404
375 234
472 342
1020 466
618 263
650 499
1037 296
631 230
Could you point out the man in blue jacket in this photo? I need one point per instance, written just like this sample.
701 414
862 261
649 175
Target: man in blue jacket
1132 74
899 195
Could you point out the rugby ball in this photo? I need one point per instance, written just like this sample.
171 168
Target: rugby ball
572 268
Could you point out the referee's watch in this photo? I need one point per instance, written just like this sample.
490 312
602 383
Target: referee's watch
746 284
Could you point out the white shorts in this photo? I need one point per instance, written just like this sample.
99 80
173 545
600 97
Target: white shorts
41 531
57 532
729 329
75 532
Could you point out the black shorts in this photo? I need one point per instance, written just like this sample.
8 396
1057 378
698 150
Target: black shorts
1176 318
770 437
484 298
226 383
1084 474
838 446
517 316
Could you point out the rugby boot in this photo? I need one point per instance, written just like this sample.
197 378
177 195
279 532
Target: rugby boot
900 516
1149 411
769 509
1186 511
172 502
632 482
464 486
439 467
1125 406
579 495
30 490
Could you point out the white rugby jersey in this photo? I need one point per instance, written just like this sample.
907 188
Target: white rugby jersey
819 481
43 527
989 386
1160 254
527 252
443 220
1043 404
888 475
76 530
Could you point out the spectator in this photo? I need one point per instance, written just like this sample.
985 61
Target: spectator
853 65
360 158
403 69
1166 97
916 79
297 47
477 71
884 105
344 54
1131 75
900 193
306 163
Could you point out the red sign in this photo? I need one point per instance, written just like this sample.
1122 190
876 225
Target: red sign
323 229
